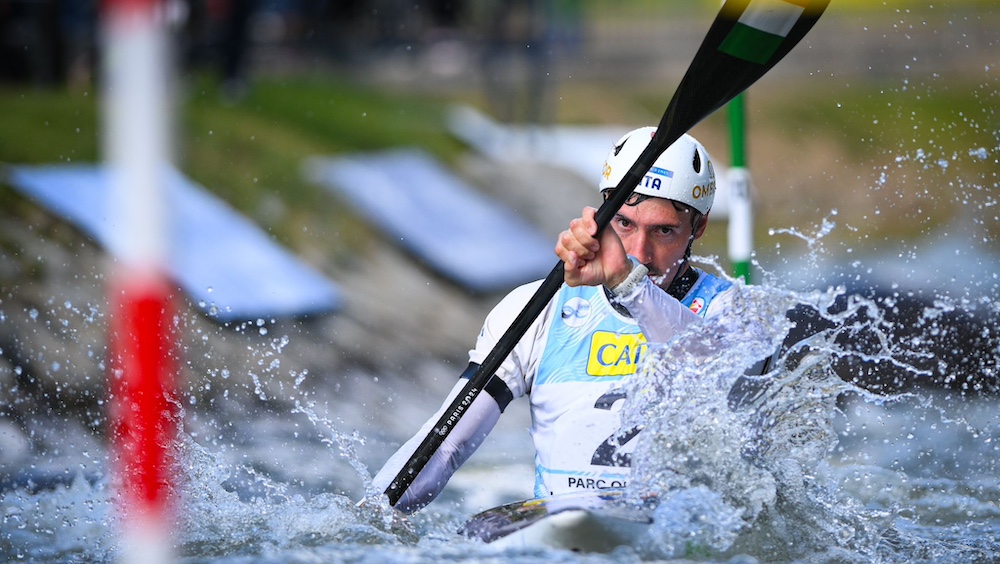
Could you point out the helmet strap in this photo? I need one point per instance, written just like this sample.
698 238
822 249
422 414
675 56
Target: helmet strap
696 217
683 267
683 281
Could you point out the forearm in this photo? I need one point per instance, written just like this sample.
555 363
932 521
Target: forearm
458 446
659 315
477 422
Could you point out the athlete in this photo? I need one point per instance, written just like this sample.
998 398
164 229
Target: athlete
631 284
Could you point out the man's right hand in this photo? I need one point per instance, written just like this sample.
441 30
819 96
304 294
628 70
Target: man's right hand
589 260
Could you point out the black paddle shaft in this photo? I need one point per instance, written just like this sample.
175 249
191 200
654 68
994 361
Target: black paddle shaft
713 79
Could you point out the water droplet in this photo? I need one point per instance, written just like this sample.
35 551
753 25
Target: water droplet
980 153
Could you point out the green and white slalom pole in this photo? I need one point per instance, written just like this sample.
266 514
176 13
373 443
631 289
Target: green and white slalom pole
740 233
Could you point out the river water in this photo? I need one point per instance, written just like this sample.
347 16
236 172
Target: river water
816 461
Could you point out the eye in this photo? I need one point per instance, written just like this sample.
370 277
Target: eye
622 221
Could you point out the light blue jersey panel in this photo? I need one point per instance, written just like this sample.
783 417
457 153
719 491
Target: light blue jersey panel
584 313
704 291
590 339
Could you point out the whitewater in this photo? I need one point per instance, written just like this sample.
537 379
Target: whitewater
847 450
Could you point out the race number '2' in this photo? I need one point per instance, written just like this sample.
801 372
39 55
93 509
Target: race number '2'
609 452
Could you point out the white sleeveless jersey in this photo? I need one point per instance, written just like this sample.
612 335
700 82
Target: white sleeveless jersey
572 364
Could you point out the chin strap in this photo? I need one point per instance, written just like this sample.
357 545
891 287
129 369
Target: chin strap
685 276
683 281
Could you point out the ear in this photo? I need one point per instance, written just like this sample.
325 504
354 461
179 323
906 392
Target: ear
699 229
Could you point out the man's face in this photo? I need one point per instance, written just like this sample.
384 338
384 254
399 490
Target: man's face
657 233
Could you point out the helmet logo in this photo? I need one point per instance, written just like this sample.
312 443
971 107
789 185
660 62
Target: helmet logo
607 171
662 172
654 180
651 182
706 190
703 191
618 148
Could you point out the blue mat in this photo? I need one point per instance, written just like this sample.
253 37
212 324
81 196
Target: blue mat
464 236
225 263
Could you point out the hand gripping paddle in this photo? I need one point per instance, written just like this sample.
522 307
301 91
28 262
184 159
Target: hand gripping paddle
747 38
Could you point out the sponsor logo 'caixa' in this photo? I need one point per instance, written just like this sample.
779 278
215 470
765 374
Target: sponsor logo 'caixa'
613 354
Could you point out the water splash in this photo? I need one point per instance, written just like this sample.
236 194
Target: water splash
57 522
347 446
226 514
736 462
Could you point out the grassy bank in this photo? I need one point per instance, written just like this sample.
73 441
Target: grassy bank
249 153
614 9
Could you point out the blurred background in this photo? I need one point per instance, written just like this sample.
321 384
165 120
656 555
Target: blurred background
873 149
877 91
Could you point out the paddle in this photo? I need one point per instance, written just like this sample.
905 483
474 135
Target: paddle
747 38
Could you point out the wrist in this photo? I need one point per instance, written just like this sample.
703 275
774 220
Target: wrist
631 281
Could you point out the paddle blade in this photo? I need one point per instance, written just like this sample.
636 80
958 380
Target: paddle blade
746 40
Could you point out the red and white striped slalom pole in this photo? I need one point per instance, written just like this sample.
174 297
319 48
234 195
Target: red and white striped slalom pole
137 125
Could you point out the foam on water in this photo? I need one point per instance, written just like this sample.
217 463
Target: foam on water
69 522
798 464
222 518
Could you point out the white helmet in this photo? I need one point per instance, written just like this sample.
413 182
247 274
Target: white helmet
683 173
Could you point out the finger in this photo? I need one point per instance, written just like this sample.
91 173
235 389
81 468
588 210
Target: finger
583 232
566 245
571 262
565 251
589 215
576 240
573 273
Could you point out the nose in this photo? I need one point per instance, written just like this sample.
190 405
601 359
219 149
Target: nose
638 245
